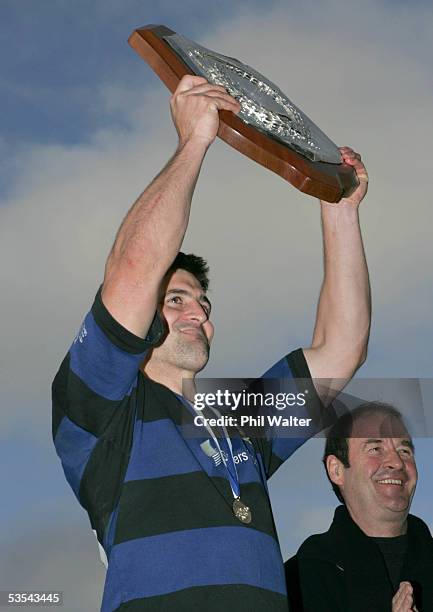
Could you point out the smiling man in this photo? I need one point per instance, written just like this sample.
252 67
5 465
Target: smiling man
375 556
186 522
186 311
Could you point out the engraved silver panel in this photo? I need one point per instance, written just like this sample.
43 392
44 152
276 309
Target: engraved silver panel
263 104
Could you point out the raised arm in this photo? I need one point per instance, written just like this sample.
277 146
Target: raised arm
340 338
152 232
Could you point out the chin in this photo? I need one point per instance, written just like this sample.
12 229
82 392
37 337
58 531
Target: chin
198 362
202 365
192 362
400 506
194 358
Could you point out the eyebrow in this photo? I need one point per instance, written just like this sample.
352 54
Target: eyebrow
202 298
404 442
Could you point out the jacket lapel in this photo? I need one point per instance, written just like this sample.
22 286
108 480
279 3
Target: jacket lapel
418 563
365 574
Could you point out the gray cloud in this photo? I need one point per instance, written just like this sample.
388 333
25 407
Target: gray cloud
61 218
57 554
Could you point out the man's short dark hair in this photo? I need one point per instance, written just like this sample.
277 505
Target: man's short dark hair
337 438
195 265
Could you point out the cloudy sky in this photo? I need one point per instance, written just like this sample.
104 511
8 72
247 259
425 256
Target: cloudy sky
85 126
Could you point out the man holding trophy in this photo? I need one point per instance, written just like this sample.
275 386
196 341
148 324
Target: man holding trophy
181 531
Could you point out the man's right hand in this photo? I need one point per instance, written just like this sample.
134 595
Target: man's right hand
403 599
194 108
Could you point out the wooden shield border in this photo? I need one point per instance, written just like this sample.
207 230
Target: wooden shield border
329 182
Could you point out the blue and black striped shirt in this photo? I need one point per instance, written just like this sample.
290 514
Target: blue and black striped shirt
160 505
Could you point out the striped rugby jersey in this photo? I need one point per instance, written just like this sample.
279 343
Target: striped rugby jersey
160 503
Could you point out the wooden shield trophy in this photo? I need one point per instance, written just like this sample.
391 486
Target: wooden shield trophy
269 128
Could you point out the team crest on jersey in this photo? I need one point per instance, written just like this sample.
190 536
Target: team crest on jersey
218 457
213 453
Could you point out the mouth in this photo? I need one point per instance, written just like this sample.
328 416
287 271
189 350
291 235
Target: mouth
193 331
391 481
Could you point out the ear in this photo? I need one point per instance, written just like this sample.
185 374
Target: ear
335 469
211 331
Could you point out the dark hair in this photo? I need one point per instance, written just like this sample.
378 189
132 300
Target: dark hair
339 434
197 266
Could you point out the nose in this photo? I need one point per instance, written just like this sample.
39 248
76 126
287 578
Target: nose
197 312
393 460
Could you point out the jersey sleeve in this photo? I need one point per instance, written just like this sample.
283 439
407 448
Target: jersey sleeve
290 377
91 394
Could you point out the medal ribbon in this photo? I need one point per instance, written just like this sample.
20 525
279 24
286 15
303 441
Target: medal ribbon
228 463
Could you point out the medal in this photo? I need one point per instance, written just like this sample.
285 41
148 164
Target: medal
241 511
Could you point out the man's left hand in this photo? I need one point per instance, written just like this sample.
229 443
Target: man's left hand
350 157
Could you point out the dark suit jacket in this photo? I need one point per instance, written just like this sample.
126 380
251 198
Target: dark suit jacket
343 570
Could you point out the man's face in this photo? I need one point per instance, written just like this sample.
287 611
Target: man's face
186 310
381 480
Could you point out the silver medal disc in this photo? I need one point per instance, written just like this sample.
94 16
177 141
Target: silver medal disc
241 511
